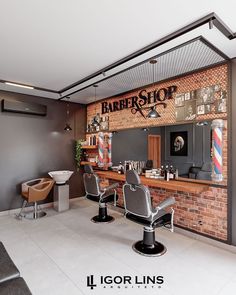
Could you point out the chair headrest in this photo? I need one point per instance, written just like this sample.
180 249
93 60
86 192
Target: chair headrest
88 169
206 167
132 177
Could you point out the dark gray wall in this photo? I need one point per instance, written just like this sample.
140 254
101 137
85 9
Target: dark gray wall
30 146
232 166
199 146
131 144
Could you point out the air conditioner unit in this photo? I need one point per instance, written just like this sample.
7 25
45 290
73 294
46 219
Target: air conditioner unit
15 106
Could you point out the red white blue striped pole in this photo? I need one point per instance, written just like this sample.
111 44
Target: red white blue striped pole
100 149
109 149
217 144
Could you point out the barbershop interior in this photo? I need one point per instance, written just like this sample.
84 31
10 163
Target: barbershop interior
117 147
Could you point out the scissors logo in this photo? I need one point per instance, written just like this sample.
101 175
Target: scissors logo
139 108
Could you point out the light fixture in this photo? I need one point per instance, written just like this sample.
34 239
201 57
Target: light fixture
19 85
211 24
145 129
67 127
203 123
153 113
96 121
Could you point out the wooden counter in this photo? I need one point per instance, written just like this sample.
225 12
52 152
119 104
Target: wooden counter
176 185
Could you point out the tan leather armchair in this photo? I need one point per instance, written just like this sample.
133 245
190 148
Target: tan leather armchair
34 191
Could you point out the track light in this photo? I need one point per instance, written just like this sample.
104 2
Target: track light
19 85
67 127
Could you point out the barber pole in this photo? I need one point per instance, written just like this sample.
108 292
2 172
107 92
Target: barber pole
100 149
109 149
217 138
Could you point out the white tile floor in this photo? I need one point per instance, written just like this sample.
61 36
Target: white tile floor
57 253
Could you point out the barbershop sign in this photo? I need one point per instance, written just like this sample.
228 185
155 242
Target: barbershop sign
141 101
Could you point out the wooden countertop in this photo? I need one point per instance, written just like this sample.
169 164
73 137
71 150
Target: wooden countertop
176 185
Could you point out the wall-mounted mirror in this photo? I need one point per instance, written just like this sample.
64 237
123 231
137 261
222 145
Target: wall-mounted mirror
188 147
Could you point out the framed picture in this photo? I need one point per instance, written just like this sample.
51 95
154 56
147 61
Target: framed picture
180 114
208 108
190 110
193 94
179 100
201 109
179 143
220 106
187 96
205 95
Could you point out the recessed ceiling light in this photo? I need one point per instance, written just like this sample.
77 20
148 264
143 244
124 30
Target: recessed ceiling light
19 85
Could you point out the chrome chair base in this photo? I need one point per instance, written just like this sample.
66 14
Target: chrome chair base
35 215
101 219
157 249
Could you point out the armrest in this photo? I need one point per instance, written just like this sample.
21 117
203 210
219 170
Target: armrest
25 186
110 187
42 186
166 203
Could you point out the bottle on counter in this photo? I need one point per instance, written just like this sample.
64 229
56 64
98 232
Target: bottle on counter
121 168
172 172
162 171
94 140
176 175
167 173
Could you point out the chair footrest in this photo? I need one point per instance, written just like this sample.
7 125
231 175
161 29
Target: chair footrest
8 270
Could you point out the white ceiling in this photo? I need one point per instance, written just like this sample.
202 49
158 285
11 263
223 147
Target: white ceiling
52 44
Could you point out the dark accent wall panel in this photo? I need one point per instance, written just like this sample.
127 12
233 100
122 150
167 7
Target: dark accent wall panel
131 144
30 146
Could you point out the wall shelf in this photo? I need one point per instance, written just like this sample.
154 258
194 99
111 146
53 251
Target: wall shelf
89 147
94 164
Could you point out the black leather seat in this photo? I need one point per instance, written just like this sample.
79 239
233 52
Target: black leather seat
8 270
102 196
14 287
138 208
205 172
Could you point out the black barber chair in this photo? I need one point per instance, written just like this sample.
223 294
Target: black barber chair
205 172
138 208
102 196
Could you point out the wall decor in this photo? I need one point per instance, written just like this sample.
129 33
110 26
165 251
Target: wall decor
220 106
179 100
179 143
180 113
143 98
206 95
190 110
201 109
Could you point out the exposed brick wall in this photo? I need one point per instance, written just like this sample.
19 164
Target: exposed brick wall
208 208
205 213
125 119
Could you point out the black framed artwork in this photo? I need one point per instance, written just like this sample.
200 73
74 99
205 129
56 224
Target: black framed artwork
179 143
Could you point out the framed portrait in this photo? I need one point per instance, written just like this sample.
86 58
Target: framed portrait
205 95
179 143
180 114
193 94
187 96
220 106
201 109
208 108
190 110
179 100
